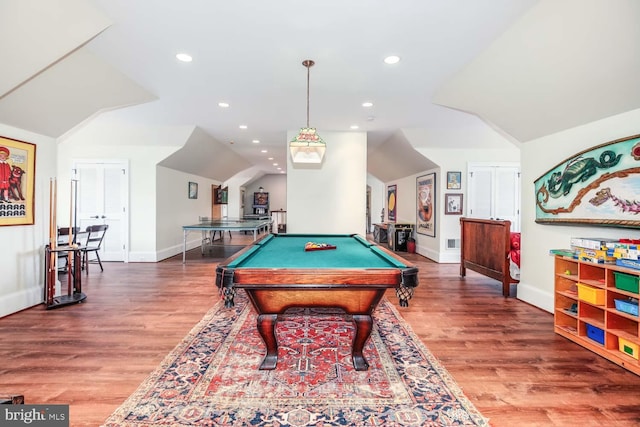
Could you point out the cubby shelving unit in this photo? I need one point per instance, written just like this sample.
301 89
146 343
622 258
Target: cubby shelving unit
617 335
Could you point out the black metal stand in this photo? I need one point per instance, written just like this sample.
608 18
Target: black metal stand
74 287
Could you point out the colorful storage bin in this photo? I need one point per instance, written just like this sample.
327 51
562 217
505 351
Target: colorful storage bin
627 347
626 282
595 334
626 306
590 294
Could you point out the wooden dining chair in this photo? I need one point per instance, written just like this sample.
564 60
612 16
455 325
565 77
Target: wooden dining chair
93 243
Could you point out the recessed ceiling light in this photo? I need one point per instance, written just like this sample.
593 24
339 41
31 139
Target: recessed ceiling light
243 126
355 127
270 158
256 141
275 164
263 151
279 169
393 59
184 57
367 104
223 104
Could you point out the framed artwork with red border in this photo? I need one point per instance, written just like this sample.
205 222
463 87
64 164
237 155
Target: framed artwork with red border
17 181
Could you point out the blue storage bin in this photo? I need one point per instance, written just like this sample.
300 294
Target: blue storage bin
595 334
626 306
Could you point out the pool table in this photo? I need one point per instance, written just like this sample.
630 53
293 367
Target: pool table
277 274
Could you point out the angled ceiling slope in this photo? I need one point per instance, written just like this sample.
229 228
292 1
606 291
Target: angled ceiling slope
34 34
395 159
204 156
54 83
563 64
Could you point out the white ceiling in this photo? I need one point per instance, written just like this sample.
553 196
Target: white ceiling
521 68
249 53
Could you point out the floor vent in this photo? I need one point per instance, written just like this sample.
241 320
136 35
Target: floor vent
453 243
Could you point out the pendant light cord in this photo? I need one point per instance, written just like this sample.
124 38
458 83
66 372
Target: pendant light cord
308 72
308 63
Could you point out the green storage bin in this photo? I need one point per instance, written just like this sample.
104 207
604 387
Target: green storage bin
626 282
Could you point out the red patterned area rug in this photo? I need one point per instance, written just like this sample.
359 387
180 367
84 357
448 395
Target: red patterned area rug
212 379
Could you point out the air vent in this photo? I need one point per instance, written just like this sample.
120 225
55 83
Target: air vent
453 243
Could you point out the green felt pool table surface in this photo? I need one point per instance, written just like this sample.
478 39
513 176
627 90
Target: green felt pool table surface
288 251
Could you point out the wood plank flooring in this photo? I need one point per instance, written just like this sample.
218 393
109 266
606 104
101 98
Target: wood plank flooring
501 351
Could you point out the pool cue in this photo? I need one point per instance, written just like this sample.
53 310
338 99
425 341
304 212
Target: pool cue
70 266
51 273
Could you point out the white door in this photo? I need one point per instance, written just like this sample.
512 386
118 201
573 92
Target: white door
494 192
102 198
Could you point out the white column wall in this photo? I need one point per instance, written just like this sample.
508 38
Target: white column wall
329 197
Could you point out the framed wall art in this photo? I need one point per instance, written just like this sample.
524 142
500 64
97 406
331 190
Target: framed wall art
193 190
454 180
426 204
391 202
17 182
597 186
453 204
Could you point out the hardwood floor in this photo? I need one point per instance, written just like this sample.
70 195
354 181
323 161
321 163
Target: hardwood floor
502 352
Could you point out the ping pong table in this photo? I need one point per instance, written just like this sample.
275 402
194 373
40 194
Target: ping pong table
209 227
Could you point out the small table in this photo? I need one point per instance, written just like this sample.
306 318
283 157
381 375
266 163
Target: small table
278 274
380 233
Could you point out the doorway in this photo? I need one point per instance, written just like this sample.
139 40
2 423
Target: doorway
494 192
103 198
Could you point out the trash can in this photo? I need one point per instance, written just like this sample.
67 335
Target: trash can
411 245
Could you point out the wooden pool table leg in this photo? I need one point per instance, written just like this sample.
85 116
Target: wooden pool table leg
267 330
364 325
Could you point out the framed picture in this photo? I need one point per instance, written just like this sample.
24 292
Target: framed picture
261 200
454 180
193 190
391 202
453 204
595 187
17 178
426 204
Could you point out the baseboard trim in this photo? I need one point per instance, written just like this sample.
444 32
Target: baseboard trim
21 300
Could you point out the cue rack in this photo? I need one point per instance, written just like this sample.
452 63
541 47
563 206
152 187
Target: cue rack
73 252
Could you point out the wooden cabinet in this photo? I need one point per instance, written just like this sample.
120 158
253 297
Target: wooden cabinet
585 310
220 195
216 202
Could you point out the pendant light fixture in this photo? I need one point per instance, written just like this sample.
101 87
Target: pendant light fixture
307 146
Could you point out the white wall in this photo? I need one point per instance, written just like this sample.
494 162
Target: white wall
22 248
447 226
175 209
143 147
540 155
378 200
329 197
275 185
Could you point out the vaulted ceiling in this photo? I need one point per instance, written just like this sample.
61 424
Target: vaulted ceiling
523 67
